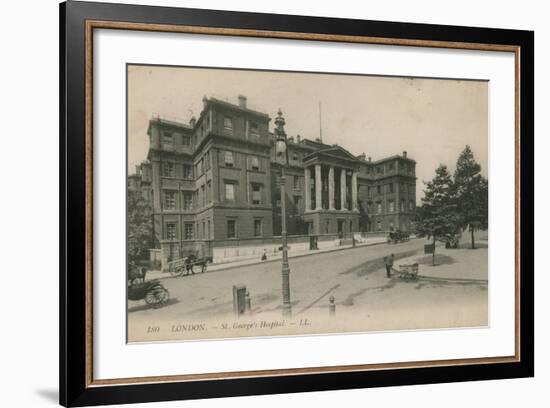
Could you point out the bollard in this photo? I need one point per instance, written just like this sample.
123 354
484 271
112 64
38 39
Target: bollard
248 306
331 306
239 303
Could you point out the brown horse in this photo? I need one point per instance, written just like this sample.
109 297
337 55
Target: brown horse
192 261
136 274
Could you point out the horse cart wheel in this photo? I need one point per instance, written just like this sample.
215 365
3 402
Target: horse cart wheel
157 296
176 272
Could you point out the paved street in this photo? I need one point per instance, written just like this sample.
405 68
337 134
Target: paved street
449 295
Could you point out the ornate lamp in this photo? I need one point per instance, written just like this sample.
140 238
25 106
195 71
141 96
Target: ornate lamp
281 154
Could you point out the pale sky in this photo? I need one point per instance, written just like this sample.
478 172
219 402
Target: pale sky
432 119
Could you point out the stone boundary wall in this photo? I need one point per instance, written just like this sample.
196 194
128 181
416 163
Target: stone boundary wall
226 251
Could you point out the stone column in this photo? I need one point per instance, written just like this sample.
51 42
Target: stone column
354 190
318 187
343 189
307 189
331 188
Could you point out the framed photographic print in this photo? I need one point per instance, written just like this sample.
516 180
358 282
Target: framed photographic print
256 203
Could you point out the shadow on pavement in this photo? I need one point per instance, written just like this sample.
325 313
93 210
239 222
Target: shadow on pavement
376 264
440 259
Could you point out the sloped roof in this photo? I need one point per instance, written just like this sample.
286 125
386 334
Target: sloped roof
237 107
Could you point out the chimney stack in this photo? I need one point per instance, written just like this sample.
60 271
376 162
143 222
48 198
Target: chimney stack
298 139
204 101
362 156
242 101
192 121
370 158
405 154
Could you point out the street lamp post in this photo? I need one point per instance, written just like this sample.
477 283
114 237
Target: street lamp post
282 158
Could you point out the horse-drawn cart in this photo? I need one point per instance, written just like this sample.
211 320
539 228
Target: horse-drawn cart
395 237
185 265
408 272
177 267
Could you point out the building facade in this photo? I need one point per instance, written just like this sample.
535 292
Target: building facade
212 184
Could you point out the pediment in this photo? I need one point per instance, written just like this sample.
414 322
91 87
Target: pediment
336 152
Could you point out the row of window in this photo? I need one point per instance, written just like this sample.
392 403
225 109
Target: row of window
407 188
169 170
229 160
168 139
231 187
232 228
189 229
253 128
204 164
391 206
204 195
390 167
371 189
389 188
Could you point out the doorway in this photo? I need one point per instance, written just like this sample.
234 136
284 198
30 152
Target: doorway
340 228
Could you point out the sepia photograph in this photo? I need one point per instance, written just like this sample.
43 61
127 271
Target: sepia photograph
254 204
278 203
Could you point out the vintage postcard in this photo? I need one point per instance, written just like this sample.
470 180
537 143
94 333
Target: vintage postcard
270 203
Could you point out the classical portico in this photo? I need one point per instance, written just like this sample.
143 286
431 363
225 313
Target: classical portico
329 187
330 191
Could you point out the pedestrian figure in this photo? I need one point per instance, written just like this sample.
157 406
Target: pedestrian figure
388 261
264 255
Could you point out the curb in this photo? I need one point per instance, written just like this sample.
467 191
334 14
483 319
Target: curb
229 267
303 255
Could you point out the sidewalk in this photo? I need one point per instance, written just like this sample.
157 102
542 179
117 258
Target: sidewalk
457 265
272 258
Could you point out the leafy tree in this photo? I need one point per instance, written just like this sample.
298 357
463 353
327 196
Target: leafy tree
472 193
140 228
438 217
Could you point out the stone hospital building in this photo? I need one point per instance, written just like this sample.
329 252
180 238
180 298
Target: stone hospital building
211 183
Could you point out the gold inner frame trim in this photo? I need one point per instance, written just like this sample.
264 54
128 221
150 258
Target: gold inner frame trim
118 25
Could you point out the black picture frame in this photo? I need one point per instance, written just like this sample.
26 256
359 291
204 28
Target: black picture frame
75 387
